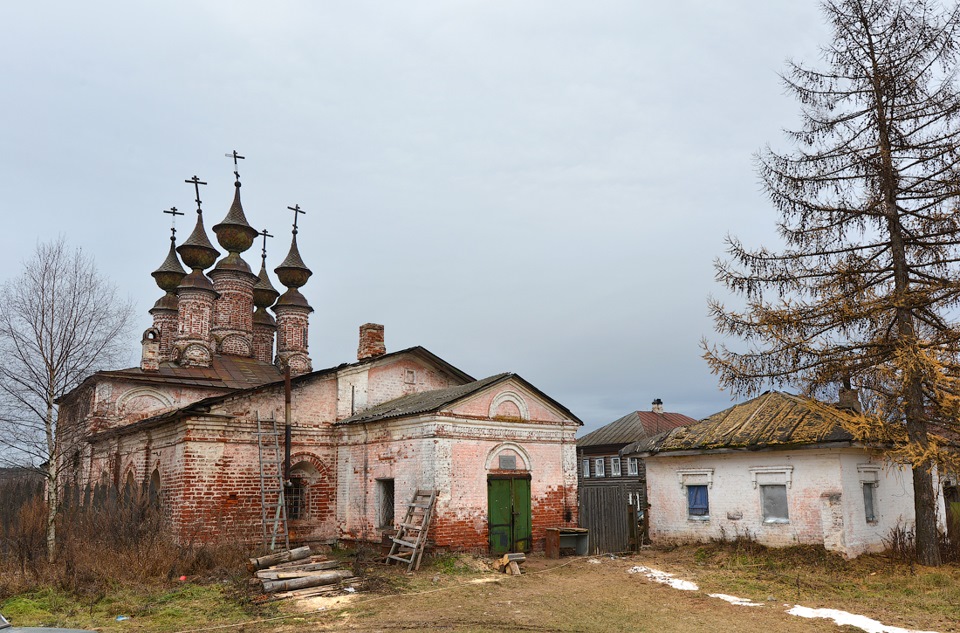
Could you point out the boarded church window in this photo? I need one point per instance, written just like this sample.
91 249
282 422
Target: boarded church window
295 496
385 503
698 502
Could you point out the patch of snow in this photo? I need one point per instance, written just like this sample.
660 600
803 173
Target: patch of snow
663 577
595 561
740 602
849 619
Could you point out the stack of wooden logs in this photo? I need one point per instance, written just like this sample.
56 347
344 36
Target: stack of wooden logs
296 574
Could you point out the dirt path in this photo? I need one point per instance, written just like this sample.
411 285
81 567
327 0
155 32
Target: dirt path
572 595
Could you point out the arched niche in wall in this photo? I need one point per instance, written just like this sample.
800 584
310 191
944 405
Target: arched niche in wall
306 475
508 456
509 405
154 490
142 401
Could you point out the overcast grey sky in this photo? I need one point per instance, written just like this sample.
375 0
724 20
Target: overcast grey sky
538 186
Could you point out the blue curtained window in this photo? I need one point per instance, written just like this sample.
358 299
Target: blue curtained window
698 504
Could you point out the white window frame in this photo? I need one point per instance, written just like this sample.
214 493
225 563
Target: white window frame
615 467
586 468
598 467
761 476
633 466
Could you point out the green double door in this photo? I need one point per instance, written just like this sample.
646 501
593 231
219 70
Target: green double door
508 511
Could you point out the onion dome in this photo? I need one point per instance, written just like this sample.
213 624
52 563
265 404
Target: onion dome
198 280
197 252
234 233
170 273
264 294
166 302
293 273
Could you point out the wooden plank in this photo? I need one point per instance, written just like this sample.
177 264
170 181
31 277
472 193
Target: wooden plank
272 574
327 578
326 564
279 557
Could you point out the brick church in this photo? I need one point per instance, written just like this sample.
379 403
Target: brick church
364 436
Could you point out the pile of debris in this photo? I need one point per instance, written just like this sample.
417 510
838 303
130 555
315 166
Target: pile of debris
296 573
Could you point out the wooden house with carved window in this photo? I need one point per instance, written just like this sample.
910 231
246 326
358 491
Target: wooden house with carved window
612 488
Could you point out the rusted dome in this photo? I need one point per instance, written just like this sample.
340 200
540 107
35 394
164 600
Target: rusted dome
264 294
196 280
293 273
234 233
197 252
292 298
170 273
166 302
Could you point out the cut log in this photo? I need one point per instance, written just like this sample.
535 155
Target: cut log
516 558
279 557
326 578
269 574
297 569
514 568
316 558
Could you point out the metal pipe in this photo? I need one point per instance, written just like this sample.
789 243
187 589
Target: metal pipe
287 434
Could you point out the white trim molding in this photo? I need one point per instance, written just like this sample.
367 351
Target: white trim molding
695 477
509 396
772 476
507 446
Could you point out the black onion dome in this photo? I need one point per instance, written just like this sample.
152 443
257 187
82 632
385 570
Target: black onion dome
292 297
166 302
264 294
234 233
197 252
197 280
233 262
170 273
293 273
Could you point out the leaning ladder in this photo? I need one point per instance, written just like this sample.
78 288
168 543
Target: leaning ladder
411 538
273 508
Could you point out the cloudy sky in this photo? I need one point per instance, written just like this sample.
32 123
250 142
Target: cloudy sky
537 187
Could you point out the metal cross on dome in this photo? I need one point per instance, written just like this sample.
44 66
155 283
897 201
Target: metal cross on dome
236 157
263 255
173 221
296 213
196 182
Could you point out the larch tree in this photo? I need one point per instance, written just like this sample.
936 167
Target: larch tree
60 320
866 284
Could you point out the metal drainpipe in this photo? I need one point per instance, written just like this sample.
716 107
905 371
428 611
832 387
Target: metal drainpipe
286 429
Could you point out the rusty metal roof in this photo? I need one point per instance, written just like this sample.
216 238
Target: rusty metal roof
225 372
632 427
772 420
433 401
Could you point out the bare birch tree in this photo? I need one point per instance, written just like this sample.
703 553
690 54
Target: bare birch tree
867 285
60 320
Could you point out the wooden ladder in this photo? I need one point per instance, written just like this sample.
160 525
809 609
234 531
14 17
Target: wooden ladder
411 538
273 507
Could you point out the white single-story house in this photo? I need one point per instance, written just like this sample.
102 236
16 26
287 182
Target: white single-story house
780 469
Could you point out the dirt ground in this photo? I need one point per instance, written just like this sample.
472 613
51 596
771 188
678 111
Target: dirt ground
570 594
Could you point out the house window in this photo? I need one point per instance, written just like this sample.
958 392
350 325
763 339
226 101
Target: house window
615 467
633 469
586 468
410 377
869 478
385 503
773 498
598 469
698 502
295 498
870 501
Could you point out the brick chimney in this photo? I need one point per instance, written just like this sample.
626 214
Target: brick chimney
371 341
657 406
150 355
850 400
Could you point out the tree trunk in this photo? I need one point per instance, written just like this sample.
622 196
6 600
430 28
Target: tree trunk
925 506
53 496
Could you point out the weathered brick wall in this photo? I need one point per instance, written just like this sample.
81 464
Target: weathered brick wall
194 320
165 322
233 311
264 336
